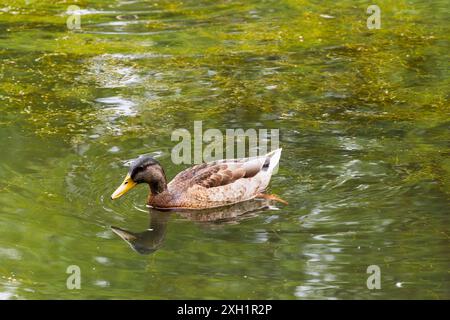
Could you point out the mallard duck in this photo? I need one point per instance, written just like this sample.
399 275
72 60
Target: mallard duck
207 185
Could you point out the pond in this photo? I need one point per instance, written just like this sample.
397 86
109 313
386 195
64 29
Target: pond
363 120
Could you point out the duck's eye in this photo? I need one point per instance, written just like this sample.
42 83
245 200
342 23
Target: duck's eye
126 182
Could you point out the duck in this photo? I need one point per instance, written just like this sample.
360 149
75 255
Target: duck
208 185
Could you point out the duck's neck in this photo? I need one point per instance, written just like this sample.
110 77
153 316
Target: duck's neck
156 179
158 186
159 196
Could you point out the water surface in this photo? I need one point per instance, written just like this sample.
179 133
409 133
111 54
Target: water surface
364 125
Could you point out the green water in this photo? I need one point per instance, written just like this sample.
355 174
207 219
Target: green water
364 125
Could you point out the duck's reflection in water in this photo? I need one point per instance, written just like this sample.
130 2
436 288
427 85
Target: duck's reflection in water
152 239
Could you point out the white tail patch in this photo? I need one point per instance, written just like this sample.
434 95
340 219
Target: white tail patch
270 164
274 158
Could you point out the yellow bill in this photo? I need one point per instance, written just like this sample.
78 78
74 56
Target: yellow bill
126 186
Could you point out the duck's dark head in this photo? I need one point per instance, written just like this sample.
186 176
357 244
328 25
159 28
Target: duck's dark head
143 170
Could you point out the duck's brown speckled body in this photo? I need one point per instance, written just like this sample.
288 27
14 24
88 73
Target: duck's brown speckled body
207 185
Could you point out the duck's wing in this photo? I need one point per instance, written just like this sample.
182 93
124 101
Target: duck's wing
224 173
229 177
